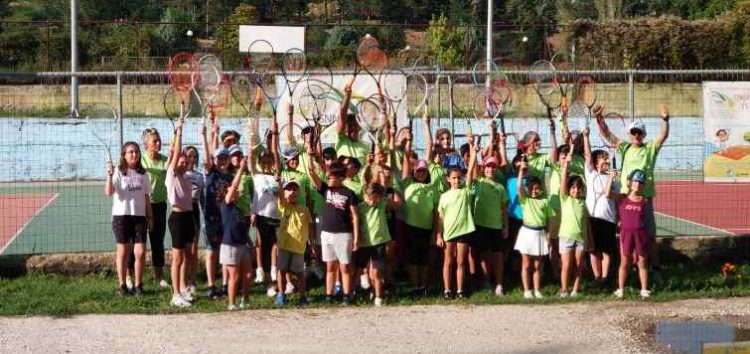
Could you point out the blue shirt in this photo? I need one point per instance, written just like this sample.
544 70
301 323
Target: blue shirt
514 205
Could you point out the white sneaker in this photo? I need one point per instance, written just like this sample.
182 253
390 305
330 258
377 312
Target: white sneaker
163 284
364 281
645 294
619 293
538 294
499 290
178 301
271 291
129 282
259 275
244 303
573 293
378 302
289 288
232 307
564 294
273 274
528 295
192 290
187 296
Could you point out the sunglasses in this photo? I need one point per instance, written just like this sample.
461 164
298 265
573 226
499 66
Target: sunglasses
636 132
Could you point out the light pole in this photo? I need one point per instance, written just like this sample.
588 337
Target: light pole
73 58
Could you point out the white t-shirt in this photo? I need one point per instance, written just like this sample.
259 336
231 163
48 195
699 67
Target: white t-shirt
265 196
131 190
198 183
598 205
179 190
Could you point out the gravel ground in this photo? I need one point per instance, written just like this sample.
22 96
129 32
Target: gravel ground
611 327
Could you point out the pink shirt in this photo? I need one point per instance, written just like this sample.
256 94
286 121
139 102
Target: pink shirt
631 214
179 190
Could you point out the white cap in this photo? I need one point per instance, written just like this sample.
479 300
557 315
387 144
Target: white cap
638 125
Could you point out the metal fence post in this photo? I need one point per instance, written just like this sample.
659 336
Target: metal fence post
119 108
631 94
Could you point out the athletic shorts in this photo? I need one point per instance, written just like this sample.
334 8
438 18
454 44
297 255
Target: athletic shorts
129 228
417 242
182 228
267 228
489 240
376 254
567 245
465 238
214 232
288 261
635 241
605 236
233 255
336 247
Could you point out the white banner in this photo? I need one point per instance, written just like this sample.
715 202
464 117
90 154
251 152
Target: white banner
726 125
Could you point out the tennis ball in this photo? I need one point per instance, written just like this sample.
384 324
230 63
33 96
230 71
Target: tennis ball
525 39
189 33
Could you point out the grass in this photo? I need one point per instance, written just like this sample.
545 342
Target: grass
61 296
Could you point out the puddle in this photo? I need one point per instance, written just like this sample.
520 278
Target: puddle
689 337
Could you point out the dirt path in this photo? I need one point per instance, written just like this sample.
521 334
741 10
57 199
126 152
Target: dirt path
612 327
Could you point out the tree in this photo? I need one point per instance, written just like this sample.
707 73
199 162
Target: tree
227 36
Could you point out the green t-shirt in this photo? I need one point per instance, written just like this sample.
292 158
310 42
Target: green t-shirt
420 200
157 174
577 166
357 149
437 177
573 218
554 187
455 207
638 158
355 184
536 211
303 181
537 163
490 198
245 194
373 224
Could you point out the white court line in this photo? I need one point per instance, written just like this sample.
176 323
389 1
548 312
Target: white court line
20 230
695 223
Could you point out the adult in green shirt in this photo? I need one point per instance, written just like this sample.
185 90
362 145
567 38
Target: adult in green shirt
529 147
155 164
348 131
639 155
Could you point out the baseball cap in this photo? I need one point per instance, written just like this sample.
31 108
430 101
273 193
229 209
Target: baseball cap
490 161
637 176
221 151
290 154
639 126
421 164
234 149
288 183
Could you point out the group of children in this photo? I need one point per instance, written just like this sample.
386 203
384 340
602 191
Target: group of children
364 211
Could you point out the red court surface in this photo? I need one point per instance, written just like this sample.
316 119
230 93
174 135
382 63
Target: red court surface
16 212
724 206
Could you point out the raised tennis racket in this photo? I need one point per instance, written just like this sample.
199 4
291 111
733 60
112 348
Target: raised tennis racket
184 75
371 118
543 78
586 94
373 61
294 69
395 95
418 94
368 49
103 122
219 96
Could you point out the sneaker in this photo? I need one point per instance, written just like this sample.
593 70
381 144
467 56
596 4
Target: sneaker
273 274
447 295
244 303
280 300
364 281
573 293
645 294
271 291
538 294
460 295
163 284
259 275
129 282
186 296
619 293
289 289
329 299
122 290
192 290
345 301
378 302
138 290
564 294
528 294
337 289
211 292
499 291
303 302
178 301
232 307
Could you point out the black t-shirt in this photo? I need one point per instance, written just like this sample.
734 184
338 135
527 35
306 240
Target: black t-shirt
336 217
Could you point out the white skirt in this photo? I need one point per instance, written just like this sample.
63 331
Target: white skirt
532 242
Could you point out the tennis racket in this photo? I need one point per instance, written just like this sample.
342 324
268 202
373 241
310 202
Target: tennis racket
184 74
260 61
289 136
367 50
617 126
294 69
103 122
219 96
314 110
371 118
172 101
543 78
243 90
586 95
373 61
418 96
394 94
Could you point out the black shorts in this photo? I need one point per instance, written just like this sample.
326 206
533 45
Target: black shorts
197 217
486 239
465 238
417 245
267 228
129 228
605 239
376 254
182 228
